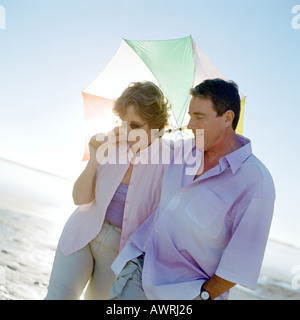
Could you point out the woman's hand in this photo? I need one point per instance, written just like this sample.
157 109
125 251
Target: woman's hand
94 144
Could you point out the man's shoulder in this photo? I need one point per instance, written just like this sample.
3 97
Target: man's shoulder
258 175
256 165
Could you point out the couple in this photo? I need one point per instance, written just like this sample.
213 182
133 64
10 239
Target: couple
180 236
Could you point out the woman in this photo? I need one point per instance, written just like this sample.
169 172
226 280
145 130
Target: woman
114 199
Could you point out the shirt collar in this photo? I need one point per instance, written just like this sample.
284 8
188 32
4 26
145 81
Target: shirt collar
239 156
122 154
145 156
236 158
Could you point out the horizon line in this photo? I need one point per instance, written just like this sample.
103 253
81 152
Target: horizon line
35 169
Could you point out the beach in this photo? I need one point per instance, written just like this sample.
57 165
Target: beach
34 206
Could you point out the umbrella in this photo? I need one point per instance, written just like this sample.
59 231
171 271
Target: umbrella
174 65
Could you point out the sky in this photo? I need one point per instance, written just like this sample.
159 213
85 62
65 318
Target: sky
51 50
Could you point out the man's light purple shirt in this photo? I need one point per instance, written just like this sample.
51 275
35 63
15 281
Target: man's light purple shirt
217 224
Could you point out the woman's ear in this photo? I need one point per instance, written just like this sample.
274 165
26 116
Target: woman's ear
158 133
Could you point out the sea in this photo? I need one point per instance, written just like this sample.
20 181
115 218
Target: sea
34 205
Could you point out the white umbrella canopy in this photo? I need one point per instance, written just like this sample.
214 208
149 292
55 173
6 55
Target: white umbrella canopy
174 65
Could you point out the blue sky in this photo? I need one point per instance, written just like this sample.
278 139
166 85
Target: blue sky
51 50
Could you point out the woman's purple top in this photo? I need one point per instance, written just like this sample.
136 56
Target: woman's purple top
115 210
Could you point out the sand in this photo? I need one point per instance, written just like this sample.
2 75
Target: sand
33 209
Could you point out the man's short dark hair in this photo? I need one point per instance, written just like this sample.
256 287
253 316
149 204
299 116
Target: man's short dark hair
223 94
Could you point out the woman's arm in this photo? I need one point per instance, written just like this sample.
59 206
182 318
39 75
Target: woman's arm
84 187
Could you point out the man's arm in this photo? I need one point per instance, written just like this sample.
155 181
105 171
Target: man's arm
216 286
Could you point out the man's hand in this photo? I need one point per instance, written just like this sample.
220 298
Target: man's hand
216 286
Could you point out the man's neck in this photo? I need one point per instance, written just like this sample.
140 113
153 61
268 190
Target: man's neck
228 145
212 156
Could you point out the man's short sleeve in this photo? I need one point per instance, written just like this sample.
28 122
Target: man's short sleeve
242 259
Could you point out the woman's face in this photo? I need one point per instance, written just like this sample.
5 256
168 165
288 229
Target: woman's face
138 129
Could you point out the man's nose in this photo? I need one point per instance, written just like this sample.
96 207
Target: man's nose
191 124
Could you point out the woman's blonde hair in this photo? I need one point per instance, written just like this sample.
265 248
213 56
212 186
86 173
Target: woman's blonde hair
149 101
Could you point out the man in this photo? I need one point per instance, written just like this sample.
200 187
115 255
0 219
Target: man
209 230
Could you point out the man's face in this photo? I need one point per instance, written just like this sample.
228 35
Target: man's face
203 116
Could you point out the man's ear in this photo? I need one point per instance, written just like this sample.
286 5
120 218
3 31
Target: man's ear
229 116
